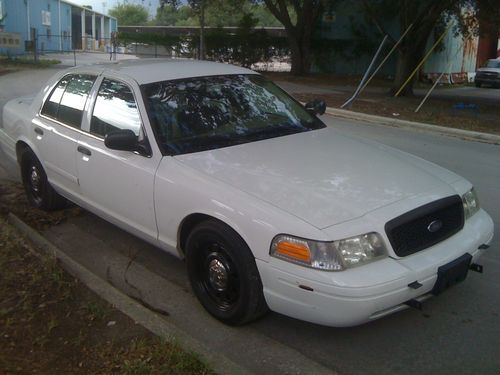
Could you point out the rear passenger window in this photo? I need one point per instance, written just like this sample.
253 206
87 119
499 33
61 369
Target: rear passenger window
51 106
115 109
67 101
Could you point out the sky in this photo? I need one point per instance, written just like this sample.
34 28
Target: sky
97 4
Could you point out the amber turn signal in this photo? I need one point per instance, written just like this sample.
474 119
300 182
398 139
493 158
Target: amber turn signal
292 250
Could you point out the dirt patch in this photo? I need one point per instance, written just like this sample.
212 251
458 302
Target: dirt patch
470 114
326 80
51 323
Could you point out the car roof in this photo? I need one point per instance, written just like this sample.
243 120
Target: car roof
153 70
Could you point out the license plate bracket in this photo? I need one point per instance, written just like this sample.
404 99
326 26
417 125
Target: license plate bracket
452 273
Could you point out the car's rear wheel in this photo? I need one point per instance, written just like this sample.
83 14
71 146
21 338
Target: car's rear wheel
478 84
38 190
223 274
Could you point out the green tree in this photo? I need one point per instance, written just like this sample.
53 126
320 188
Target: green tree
203 9
264 17
218 14
130 14
170 15
252 41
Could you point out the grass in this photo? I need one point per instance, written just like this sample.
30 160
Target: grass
14 64
51 323
28 62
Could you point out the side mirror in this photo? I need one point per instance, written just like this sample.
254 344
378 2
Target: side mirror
123 140
316 107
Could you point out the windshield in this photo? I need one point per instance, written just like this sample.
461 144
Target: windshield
206 113
493 64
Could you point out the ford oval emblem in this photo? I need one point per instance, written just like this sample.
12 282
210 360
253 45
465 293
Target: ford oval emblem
434 226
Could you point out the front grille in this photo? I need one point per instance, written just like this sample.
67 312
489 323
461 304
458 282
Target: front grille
425 226
487 75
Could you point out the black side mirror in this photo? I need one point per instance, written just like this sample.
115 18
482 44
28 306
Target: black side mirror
123 140
316 107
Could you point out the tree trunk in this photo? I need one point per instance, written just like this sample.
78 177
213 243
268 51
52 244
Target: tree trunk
300 55
201 54
404 67
299 34
297 59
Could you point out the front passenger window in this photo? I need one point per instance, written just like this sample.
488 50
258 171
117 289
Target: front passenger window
115 109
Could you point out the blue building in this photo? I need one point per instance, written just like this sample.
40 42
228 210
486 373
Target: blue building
54 25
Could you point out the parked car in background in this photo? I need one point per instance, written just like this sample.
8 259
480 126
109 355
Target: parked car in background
489 74
269 207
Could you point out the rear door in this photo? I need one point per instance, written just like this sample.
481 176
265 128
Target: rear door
58 128
118 184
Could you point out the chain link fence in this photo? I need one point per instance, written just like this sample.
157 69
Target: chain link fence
254 50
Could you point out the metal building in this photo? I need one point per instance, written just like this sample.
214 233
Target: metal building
54 25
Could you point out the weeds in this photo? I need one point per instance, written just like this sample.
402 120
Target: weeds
49 323
27 62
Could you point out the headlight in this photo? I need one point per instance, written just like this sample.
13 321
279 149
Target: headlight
329 256
471 203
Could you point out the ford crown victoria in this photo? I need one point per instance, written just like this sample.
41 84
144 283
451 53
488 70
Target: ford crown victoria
270 208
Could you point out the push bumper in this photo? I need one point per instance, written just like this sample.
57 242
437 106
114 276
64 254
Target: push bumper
369 292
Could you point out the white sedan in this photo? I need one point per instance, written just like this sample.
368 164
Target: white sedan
270 208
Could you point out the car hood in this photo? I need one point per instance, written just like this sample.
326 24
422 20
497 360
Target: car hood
488 70
321 176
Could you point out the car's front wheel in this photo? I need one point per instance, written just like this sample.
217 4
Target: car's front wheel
38 190
223 274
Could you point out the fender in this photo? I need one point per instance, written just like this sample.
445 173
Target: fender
31 145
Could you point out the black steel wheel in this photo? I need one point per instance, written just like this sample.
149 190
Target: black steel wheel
38 190
223 274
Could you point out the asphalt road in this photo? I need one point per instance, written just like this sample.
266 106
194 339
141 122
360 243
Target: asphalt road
457 332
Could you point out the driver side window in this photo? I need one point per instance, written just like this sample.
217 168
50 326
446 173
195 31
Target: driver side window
115 109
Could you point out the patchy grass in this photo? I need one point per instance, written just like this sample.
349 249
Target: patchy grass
51 323
14 64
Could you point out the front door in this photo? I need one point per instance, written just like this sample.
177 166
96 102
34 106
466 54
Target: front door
119 185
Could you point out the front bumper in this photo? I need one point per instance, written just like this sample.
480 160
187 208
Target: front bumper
368 292
487 80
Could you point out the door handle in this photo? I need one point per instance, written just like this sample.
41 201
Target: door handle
38 131
84 150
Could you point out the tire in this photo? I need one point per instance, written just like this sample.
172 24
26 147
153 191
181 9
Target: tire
478 84
38 190
223 274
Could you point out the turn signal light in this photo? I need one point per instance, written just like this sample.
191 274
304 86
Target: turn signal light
292 250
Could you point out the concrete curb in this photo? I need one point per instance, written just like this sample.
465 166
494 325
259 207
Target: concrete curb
296 362
387 121
147 318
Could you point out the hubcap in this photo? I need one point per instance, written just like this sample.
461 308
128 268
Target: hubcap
218 275
35 179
